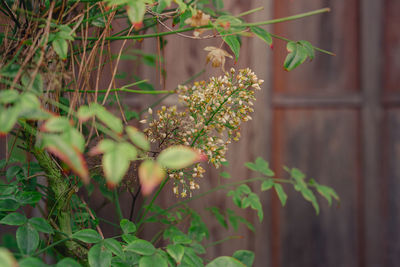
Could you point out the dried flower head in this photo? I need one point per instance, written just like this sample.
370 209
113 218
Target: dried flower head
197 20
210 121
217 56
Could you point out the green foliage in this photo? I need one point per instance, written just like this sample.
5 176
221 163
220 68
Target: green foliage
87 236
244 256
298 53
63 128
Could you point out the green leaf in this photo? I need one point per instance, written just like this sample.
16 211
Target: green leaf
31 262
190 258
153 261
28 197
198 248
61 47
56 145
281 194
129 238
176 251
135 11
219 216
10 70
7 259
266 185
85 112
111 121
115 247
14 218
218 4
41 225
8 205
162 4
226 262
68 262
297 174
297 55
74 137
182 6
141 247
249 225
262 34
260 165
8 96
150 175
233 42
309 196
99 256
116 161
12 172
27 239
178 157
87 236
254 202
138 138
37 84
243 189
181 239
8 118
325 191
57 124
309 48
244 256
127 226
225 175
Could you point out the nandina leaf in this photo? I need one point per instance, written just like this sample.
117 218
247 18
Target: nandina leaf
298 53
262 34
281 194
68 153
244 256
87 236
111 121
99 256
176 251
142 247
56 124
135 11
85 112
153 260
225 261
116 161
179 157
138 138
233 42
61 47
8 96
7 259
150 175
27 239
8 118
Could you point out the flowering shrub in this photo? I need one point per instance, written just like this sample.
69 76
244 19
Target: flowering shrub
54 114
211 120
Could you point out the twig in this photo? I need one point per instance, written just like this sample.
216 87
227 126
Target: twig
92 216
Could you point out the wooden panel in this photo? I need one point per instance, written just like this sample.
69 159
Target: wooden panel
391 189
392 45
335 31
324 144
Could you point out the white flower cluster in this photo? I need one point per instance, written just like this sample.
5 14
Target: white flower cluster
211 120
